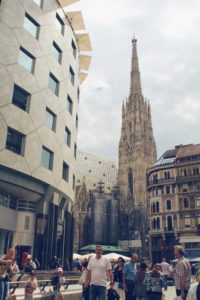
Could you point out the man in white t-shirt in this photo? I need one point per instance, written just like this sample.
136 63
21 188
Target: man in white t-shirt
98 269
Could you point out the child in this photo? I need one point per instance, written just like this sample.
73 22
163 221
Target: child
56 281
112 293
30 286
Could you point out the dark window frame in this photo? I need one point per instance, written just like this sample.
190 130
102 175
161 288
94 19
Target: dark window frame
15 98
65 171
30 18
12 146
50 167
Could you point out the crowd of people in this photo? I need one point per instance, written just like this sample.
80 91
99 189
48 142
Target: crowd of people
133 280
137 280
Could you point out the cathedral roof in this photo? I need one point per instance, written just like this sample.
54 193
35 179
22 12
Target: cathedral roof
93 169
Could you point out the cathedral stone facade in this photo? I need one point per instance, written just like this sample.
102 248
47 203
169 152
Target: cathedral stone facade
137 152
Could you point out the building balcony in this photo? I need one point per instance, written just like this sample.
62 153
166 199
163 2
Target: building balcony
161 181
188 177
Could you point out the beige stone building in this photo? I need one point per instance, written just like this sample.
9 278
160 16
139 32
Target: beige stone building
174 200
41 55
137 152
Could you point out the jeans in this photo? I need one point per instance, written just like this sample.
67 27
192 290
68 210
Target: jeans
4 288
97 291
154 296
129 294
178 293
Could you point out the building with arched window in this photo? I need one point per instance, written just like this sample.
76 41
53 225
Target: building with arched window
173 186
41 62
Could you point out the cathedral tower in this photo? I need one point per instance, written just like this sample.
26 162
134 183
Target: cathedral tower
137 152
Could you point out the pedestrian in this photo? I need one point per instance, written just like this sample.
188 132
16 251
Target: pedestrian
112 293
56 282
55 263
129 272
98 269
139 290
165 268
30 286
30 264
154 283
194 292
6 262
118 277
182 272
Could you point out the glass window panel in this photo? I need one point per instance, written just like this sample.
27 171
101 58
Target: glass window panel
69 104
57 52
71 75
26 60
67 136
50 119
47 158
53 84
20 97
74 181
65 172
59 24
74 49
14 141
31 25
76 121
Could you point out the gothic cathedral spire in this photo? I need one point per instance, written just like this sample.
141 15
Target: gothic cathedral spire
137 152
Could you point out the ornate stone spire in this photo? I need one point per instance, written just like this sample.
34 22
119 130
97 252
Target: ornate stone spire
135 88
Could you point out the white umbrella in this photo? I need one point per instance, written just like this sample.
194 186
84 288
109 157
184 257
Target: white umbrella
88 255
115 256
77 256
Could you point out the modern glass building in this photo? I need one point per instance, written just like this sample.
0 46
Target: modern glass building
41 62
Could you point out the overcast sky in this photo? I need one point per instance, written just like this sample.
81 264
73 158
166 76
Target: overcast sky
168 34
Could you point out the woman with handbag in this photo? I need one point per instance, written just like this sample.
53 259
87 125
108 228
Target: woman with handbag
155 283
118 278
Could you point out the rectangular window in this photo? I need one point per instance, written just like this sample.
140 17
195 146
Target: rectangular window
69 104
47 158
74 182
26 60
78 93
57 53
198 201
27 223
14 141
60 24
198 219
67 136
31 25
75 151
65 172
185 187
198 186
76 121
38 2
167 189
74 48
187 221
71 75
20 97
53 84
50 119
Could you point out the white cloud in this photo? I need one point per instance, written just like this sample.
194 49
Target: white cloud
168 49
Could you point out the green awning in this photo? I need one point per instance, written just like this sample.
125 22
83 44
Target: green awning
106 248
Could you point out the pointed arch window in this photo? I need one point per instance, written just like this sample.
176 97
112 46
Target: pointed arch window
130 181
158 223
157 206
169 223
186 202
169 204
154 208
